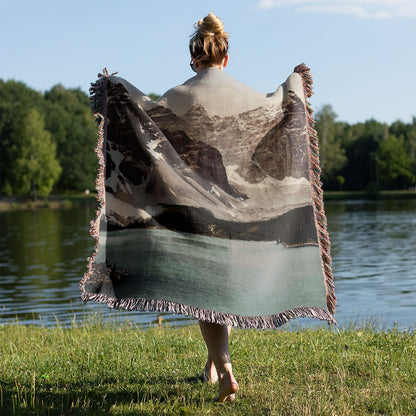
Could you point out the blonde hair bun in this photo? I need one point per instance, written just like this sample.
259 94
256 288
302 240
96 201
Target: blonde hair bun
211 25
209 42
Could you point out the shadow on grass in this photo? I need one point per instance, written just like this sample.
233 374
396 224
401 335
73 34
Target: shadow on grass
99 396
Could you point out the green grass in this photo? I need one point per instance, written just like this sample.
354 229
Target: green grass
109 369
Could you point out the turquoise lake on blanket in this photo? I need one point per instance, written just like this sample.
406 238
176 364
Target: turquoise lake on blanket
214 273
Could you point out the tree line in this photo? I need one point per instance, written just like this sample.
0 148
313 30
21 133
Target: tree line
47 143
47 140
367 156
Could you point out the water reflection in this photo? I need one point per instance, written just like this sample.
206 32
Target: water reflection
375 260
43 257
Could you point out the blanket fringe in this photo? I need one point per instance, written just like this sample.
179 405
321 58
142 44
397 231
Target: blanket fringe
98 93
245 322
317 193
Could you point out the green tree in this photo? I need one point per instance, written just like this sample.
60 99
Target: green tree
35 168
153 96
408 133
71 123
7 122
362 141
16 98
332 154
15 92
394 164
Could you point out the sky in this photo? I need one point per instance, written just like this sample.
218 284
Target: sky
362 53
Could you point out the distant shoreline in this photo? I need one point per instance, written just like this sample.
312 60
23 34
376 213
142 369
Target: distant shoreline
345 195
61 201
66 201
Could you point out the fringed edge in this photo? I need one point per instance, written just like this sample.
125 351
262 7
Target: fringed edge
317 192
98 97
98 93
257 322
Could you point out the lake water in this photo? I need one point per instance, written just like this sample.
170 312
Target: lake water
43 257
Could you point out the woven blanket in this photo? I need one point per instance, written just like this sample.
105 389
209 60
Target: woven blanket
210 202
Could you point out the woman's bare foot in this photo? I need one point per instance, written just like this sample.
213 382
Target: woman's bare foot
228 388
209 374
216 340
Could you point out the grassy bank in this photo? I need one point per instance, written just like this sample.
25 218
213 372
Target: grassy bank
64 201
107 370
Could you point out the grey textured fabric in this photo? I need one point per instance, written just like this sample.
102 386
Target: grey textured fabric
211 204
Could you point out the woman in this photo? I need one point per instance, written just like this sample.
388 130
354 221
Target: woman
209 49
211 203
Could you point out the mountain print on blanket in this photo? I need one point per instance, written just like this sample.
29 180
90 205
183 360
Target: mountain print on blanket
187 180
208 204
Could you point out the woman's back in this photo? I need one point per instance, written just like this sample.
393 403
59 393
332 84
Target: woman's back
217 92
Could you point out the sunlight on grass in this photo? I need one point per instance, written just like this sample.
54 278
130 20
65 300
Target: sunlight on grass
118 369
